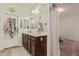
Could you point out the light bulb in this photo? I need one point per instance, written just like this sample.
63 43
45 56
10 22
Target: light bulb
35 11
60 9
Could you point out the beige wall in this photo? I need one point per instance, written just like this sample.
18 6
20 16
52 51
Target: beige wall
69 26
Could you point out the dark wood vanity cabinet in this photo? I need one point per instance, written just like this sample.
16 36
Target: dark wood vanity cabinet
36 46
33 46
24 41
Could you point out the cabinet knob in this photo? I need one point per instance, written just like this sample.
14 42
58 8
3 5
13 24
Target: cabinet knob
41 39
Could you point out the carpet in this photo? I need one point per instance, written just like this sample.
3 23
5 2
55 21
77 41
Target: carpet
69 48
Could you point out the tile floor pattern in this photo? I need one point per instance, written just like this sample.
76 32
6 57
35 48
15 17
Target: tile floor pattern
16 51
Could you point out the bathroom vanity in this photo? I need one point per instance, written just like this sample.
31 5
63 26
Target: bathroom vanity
34 35
35 44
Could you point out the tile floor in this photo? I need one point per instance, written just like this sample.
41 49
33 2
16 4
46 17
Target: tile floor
16 51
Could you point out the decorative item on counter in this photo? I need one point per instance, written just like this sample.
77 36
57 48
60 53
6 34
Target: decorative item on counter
29 31
45 23
40 17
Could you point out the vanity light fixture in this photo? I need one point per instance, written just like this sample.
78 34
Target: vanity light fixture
58 7
35 11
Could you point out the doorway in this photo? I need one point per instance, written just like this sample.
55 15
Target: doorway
69 30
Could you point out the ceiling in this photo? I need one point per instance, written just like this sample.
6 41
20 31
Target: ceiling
24 8
24 5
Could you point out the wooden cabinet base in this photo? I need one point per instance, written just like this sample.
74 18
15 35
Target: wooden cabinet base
36 46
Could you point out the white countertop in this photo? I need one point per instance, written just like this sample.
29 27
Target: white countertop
35 34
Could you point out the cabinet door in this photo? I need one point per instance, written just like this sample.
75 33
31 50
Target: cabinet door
37 46
43 46
23 39
29 44
26 42
33 46
44 41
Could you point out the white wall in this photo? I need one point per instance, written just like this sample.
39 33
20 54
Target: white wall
69 26
4 43
53 32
